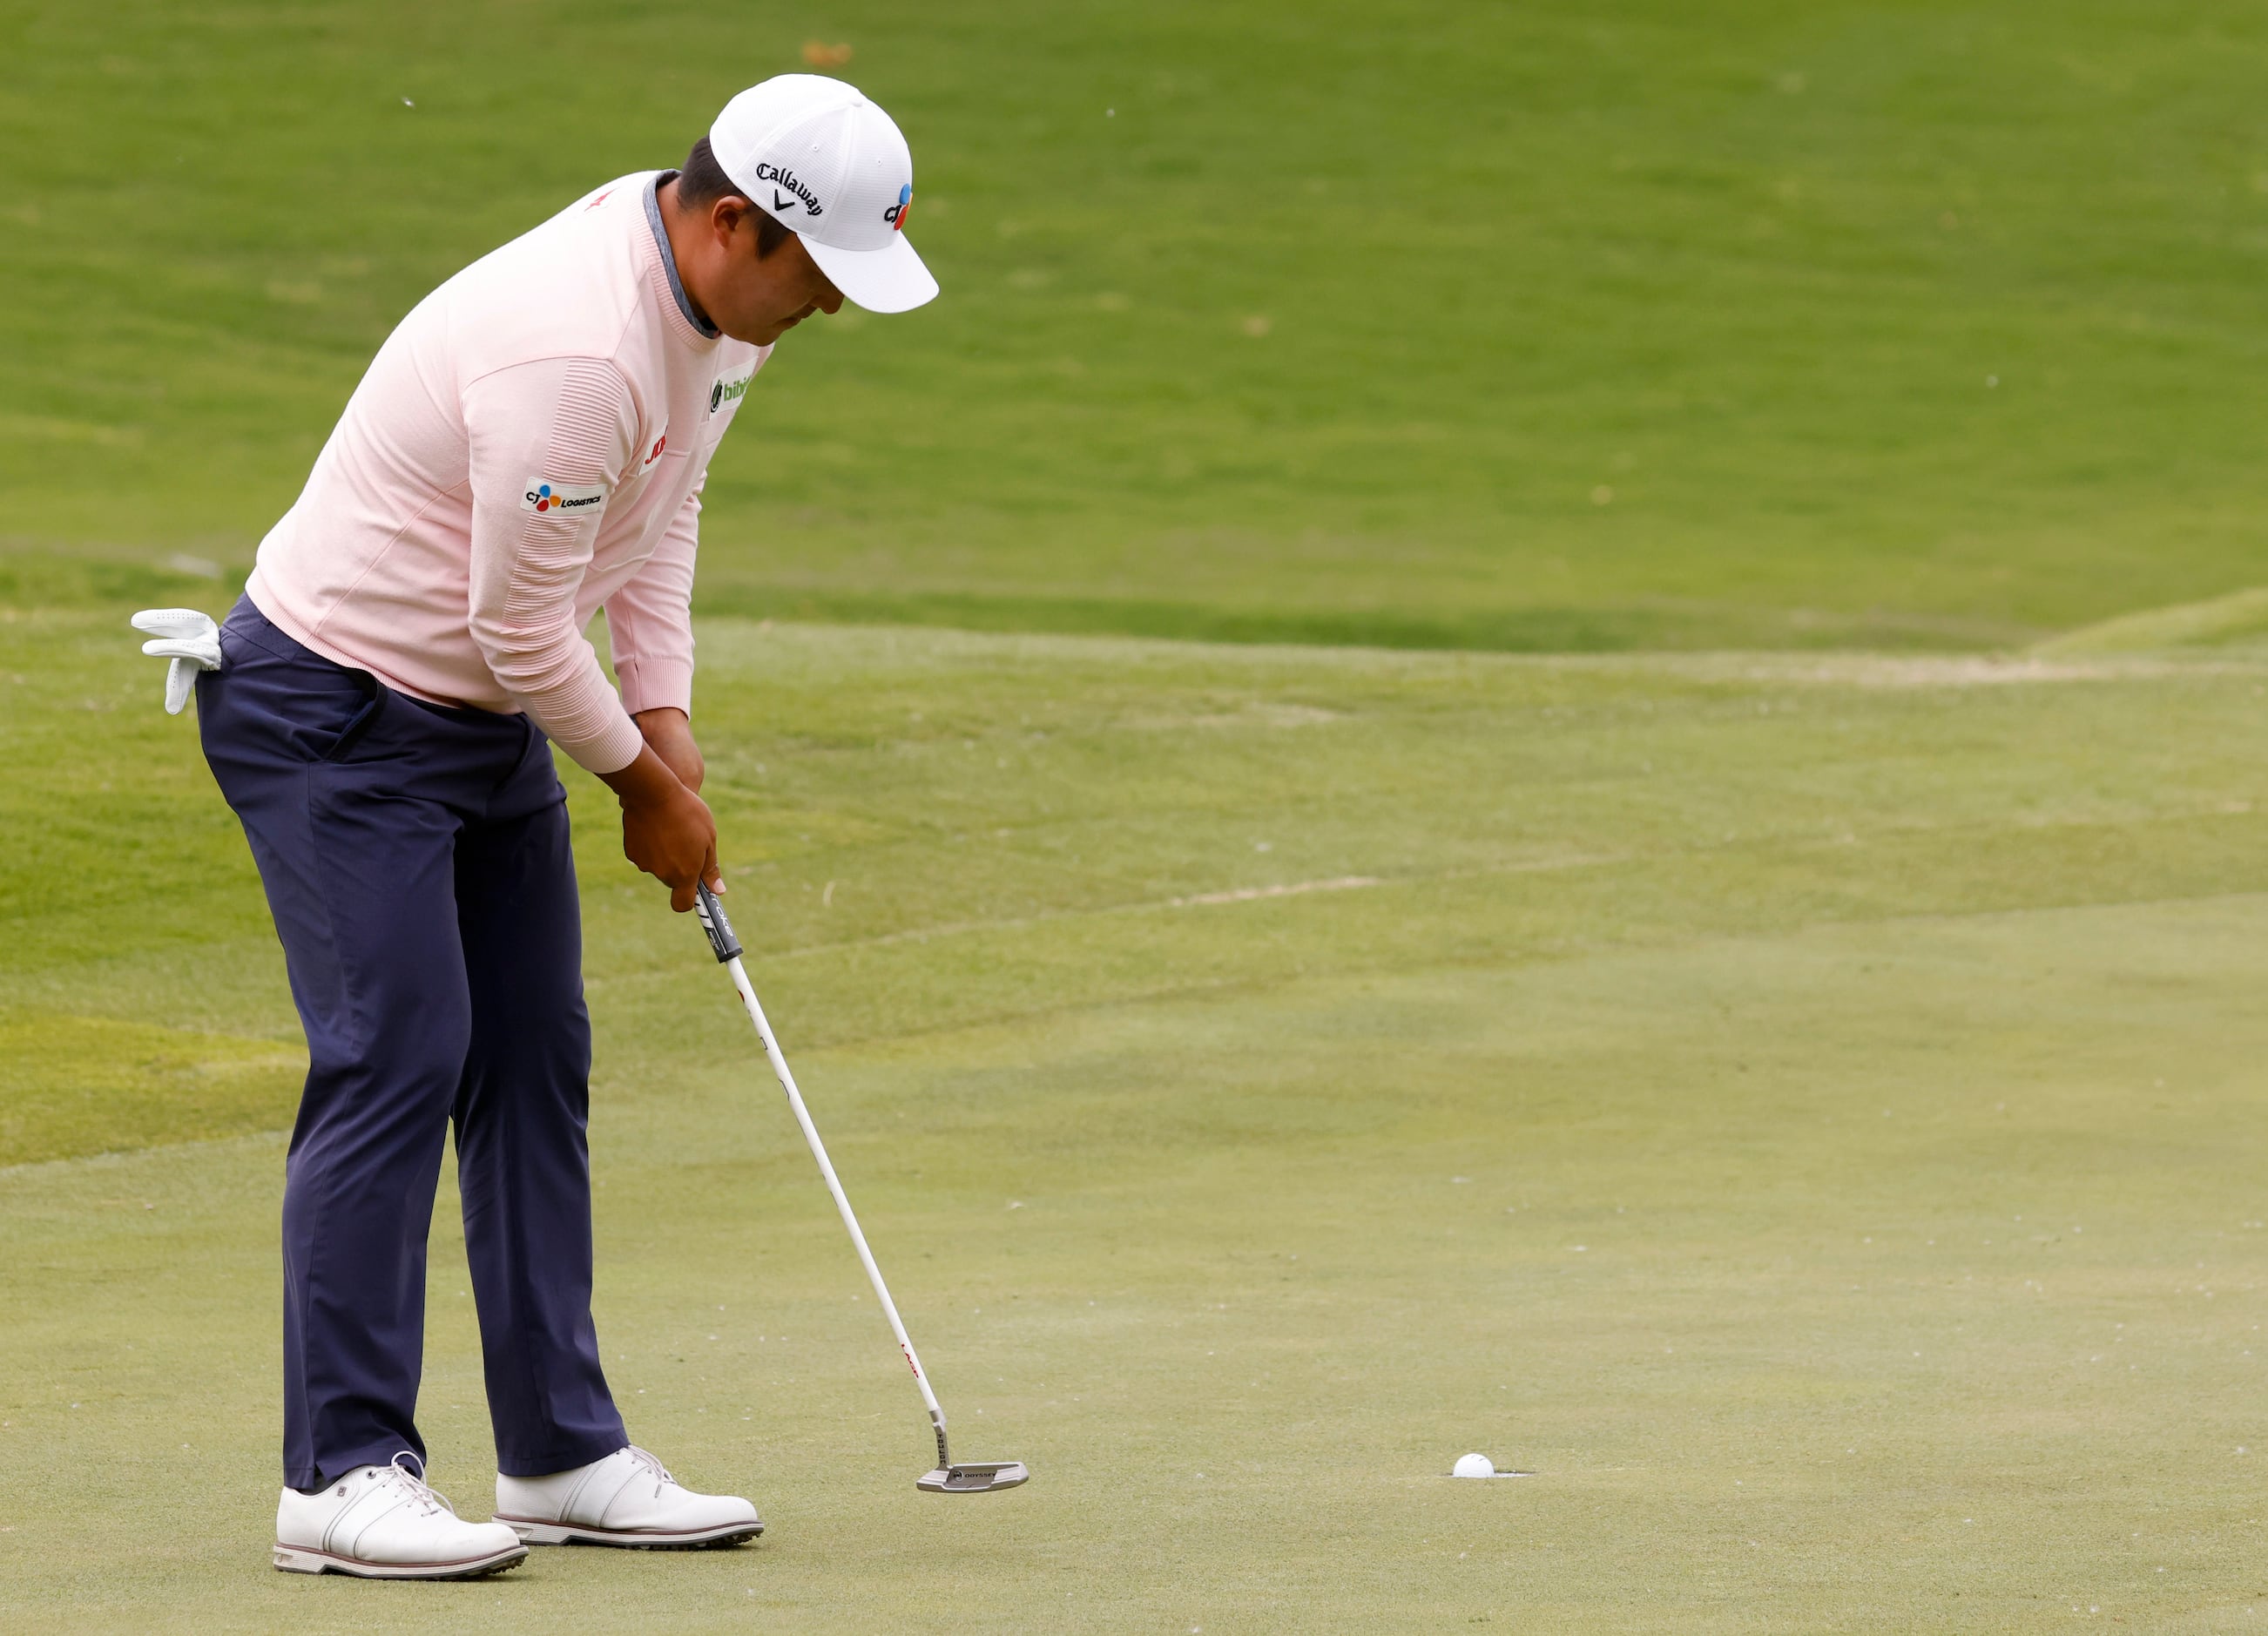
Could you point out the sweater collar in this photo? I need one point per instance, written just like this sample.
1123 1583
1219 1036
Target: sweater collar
693 314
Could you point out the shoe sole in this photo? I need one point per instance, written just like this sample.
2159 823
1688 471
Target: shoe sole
534 1533
300 1560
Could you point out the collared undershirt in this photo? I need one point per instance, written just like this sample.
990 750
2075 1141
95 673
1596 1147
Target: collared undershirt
693 314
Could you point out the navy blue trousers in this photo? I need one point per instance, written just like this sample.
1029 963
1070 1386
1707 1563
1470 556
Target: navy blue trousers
416 862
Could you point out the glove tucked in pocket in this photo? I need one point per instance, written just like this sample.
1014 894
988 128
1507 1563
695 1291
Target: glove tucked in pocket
188 639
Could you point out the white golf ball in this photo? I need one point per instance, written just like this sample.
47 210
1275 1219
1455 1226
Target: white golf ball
1472 1465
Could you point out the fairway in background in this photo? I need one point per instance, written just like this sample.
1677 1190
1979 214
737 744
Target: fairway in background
1473 325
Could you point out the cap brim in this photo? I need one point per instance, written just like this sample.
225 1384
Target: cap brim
888 280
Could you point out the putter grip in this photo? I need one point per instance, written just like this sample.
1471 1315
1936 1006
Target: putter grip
719 928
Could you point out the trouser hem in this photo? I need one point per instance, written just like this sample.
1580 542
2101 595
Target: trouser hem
306 1476
566 1457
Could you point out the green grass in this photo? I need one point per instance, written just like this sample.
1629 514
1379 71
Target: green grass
1851 1062
1750 267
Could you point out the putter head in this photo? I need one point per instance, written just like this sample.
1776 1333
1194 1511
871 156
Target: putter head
973 1477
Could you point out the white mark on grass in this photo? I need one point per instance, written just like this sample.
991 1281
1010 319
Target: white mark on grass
827 898
1252 894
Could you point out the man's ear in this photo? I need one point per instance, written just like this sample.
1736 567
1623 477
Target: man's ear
726 213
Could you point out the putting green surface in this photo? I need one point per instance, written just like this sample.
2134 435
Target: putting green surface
1803 1109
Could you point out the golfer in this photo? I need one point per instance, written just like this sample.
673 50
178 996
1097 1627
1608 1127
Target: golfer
527 449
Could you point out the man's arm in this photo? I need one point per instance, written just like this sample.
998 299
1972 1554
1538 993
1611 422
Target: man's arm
650 618
649 624
550 442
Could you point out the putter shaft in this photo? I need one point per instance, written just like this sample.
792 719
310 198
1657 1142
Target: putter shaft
948 1478
728 953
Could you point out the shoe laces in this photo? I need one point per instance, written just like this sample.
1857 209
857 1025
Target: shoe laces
422 1493
648 1463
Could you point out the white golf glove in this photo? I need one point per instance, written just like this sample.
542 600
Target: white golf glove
188 639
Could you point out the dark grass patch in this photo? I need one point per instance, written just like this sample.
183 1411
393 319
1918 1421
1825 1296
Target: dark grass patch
1558 629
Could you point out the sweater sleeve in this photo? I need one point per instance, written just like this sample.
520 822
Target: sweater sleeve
550 441
649 619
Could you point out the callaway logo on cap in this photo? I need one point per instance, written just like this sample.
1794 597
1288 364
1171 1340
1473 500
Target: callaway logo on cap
834 167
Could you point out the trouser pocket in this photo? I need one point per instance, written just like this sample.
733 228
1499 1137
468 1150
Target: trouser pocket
365 718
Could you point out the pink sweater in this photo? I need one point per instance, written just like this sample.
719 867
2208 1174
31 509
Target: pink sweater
527 447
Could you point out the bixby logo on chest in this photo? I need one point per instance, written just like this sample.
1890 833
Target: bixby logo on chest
730 388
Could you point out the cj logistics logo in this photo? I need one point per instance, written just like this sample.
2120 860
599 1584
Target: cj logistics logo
897 214
544 496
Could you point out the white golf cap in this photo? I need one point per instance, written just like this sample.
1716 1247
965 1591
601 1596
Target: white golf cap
834 167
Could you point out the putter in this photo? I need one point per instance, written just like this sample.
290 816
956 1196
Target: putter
971 1477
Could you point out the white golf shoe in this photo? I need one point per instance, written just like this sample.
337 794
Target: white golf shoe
624 1499
382 1521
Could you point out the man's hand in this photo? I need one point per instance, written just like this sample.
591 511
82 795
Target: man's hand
671 736
667 830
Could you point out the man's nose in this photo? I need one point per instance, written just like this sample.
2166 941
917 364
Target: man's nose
830 301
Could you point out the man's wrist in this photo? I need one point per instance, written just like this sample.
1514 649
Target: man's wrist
645 781
668 733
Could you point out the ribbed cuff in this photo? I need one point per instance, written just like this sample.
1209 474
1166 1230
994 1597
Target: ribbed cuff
655 684
612 749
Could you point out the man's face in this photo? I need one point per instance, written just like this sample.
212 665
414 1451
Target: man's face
759 300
